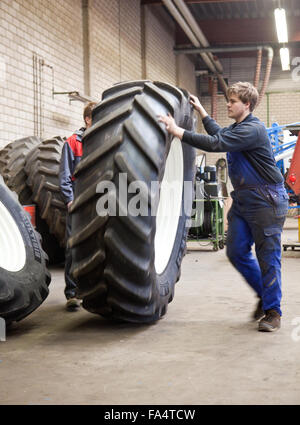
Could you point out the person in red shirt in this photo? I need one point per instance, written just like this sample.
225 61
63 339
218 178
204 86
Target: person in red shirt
71 156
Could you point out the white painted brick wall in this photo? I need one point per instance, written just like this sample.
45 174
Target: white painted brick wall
115 43
160 34
284 107
186 73
53 30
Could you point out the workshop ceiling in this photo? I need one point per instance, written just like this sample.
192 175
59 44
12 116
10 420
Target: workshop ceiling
240 22
240 9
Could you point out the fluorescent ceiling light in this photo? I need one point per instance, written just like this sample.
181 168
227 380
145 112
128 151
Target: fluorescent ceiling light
281 27
285 58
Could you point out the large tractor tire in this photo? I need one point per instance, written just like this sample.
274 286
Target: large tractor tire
126 265
12 162
42 169
12 167
24 278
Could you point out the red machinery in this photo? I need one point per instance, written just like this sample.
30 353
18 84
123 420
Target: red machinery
293 181
293 177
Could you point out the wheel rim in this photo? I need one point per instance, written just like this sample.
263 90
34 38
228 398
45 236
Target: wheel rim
13 253
169 207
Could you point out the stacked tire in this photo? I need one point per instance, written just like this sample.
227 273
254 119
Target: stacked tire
42 169
126 259
12 163
126 265
17 161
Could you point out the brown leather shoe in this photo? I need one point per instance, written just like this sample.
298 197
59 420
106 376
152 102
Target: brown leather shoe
259 312
271 321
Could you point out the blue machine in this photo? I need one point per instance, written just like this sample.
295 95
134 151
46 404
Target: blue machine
282 149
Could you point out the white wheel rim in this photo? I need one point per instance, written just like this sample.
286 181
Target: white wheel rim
169 207
12 248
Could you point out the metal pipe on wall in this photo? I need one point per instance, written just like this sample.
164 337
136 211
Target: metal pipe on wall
267 73
86 46
177 16
40 91
258 67
203 41
239 49
214 98
197 31
221 49
188 26
35 94
37 63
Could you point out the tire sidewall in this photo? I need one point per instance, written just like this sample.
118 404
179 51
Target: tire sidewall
35 261
170 275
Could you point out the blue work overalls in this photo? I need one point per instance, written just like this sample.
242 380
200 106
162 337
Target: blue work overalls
259 208
256 216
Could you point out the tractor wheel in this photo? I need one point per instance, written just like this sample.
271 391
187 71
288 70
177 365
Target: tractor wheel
126 262
24 277
42 169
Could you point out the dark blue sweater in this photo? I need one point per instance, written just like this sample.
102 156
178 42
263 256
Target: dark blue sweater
249 137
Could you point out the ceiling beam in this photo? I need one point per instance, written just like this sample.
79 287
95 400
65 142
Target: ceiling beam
232 47
233 30
159 2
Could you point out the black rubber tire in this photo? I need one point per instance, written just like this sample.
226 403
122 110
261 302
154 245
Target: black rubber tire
12 162
12 168
113 257
23 291
208 226
42 169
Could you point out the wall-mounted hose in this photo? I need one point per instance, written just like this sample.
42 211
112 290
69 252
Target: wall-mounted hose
258 67
214 98
267 74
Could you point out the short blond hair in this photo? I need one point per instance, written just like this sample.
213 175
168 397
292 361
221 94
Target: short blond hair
246 92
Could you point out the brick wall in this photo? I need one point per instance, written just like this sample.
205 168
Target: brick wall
105 61
115 43
46 29
159 37
284 107
52 33
127 42
185 73
281 103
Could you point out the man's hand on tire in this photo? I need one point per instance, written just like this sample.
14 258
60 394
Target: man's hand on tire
171 126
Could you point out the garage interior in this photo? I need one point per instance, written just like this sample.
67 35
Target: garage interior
55 56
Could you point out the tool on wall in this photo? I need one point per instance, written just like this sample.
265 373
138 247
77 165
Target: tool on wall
40 91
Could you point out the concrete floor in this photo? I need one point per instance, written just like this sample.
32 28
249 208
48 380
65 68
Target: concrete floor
204 351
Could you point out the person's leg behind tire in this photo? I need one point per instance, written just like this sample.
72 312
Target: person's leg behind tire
70 285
